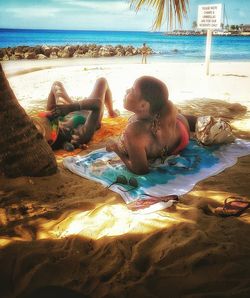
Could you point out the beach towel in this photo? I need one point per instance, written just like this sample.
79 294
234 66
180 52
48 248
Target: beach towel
176 176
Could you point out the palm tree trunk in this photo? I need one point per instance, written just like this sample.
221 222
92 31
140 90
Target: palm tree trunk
23 150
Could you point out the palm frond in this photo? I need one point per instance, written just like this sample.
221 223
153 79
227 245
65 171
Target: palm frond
169 9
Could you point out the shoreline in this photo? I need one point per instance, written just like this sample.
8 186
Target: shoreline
19 67
135 59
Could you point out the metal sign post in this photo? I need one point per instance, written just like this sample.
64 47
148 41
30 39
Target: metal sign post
209 17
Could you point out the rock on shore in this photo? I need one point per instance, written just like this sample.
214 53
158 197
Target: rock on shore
68 51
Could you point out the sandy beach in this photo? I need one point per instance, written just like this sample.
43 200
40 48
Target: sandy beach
66 233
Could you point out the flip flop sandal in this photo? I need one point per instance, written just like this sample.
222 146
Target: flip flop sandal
233 206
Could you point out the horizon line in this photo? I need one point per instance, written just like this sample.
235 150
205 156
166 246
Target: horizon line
152 31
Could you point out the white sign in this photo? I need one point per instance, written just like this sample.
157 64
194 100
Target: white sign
209 16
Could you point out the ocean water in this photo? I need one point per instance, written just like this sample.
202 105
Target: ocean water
170 48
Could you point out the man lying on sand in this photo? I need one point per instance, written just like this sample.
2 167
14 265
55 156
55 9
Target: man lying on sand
71 124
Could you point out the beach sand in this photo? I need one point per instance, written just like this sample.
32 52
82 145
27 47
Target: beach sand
65 236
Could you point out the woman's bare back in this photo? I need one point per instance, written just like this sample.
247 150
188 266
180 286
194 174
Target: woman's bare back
159 143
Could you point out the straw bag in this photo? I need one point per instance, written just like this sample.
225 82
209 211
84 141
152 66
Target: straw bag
210 131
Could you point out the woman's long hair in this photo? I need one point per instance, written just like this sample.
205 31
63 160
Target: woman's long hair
155 92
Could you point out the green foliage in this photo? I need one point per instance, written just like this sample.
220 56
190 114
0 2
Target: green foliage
169 9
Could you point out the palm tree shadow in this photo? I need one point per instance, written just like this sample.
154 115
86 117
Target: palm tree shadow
133 264
52 292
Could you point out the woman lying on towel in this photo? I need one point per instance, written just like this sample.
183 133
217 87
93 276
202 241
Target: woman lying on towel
156 130
68 123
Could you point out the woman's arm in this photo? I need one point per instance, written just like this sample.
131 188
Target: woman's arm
84 133
113 147
136 159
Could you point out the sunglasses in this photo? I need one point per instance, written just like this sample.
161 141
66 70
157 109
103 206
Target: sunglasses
121 179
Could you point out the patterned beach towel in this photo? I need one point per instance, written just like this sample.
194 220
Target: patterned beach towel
176 176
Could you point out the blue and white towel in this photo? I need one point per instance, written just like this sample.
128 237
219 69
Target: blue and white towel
177 175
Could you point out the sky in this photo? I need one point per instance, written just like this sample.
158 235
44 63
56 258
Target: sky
101 14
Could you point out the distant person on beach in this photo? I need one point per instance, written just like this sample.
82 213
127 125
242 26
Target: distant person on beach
144 53
156 129
70 124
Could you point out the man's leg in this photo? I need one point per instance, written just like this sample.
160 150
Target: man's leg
101 95
108 102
